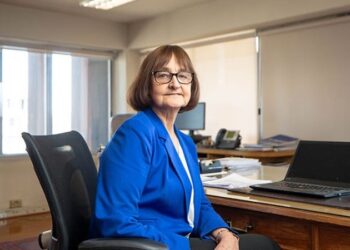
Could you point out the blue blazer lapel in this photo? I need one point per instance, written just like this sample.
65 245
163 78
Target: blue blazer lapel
173 155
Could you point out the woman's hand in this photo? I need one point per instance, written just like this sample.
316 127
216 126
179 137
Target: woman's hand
225 239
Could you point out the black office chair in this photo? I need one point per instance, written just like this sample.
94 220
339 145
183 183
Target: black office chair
67 173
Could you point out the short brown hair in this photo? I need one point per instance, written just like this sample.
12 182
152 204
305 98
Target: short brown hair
139 94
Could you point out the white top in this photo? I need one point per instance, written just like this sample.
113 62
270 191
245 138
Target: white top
190 215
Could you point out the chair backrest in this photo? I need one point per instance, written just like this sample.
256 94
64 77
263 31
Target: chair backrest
118 119
67 173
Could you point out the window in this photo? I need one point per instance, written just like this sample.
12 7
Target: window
227 73
46 93
305 80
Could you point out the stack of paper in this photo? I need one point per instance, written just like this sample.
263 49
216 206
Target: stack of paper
235 163
276 143
232 181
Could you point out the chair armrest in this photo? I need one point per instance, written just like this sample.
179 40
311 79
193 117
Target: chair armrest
44 239
121 244
107 243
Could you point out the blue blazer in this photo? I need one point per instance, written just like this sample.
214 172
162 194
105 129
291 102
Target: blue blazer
143 189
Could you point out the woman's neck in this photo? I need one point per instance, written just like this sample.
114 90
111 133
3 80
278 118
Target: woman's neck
168 118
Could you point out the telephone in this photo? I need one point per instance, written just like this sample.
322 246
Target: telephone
228 139
210 166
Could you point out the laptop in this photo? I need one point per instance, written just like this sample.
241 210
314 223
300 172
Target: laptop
318 169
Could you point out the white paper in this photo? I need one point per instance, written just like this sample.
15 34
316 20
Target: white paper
239 163
233 181
207 178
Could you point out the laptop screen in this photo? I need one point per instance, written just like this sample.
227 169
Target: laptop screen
321 160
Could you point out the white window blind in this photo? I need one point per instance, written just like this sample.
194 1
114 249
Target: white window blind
227 73
304 78
45 93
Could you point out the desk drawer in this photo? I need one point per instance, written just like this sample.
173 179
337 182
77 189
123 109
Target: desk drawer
289 233
332 237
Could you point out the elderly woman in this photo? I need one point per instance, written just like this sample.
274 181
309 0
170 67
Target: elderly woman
149 184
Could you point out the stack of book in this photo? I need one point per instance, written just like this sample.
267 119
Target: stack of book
277 143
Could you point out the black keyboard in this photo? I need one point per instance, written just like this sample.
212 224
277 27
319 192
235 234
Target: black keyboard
303 188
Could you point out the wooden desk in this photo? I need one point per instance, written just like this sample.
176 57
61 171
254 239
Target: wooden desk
263 156
294 225
24 227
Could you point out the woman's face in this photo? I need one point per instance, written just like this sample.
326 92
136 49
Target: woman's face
172 95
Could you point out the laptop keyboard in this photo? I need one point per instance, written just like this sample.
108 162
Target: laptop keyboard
303 188
308 187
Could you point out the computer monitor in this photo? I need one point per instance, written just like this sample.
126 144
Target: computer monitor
192 120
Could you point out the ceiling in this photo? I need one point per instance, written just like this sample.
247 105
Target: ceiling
128 13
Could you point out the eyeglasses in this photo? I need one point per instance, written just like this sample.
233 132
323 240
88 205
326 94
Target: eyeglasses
164 77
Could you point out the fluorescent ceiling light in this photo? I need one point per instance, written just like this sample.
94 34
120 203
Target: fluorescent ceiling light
103 4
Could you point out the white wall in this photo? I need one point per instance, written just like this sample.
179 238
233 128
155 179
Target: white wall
45 27
224 16
18 181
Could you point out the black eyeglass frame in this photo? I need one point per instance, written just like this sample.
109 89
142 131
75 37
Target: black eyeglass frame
172 75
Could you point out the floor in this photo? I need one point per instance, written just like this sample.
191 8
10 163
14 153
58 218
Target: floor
24 227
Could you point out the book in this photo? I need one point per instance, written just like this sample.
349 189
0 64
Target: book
279 140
